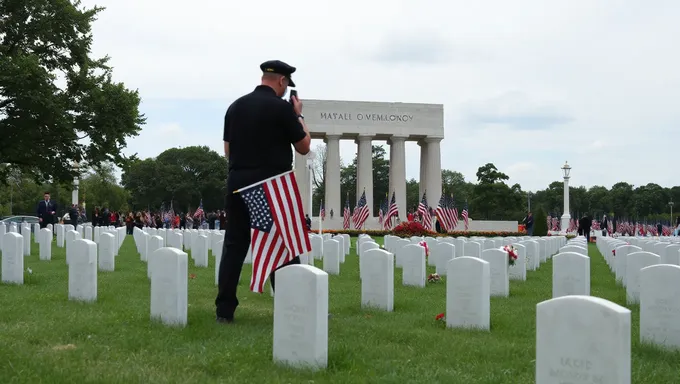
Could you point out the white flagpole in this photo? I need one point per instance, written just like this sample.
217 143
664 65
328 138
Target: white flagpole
320 220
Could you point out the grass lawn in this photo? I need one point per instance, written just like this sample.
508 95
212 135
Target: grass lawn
46 338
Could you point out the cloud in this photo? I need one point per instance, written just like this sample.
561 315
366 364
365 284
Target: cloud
521 84
515 110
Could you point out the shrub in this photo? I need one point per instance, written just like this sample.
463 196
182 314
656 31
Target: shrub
540 223
411 228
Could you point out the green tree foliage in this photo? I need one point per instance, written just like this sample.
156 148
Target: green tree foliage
182 176
540 223
57 103
98 188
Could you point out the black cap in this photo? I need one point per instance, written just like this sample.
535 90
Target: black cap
279 67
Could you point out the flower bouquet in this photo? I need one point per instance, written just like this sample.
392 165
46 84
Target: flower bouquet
512 254
440 317
433 278
427 250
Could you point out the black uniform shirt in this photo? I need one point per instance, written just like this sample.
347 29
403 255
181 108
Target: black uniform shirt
260 128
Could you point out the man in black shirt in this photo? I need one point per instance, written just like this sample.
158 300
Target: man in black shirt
259 129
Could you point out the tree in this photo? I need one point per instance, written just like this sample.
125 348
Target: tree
178 176
493 198
540 223
46 125
98 188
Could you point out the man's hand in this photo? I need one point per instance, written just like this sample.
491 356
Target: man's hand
40 219
53 212
297 105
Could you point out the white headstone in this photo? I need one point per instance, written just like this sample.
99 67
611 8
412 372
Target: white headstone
363 247
107 259
88 233
331 257
498 269
582 339
473 249
199 251
414 271
519 270
620 260
155 243
82 271
36 233
634 263
169 286
26 233
61 233
377 285
317 246
13 258
71 237
660 305
671 254
45 237
571 274
301 317
442 253
468 293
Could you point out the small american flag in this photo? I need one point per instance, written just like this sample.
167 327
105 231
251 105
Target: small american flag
548 220
346 214
362 212
453 212
382 213
199 212
278 231
322 211
392 212
424 211
555 224
466 216
442 215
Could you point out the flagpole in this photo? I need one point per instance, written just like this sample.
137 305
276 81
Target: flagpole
321 219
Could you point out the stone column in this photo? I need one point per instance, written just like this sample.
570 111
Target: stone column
332 198
566 217
424 157
434 170
398 172
302 177
365 169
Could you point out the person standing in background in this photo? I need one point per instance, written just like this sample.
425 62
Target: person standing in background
46 211
529 224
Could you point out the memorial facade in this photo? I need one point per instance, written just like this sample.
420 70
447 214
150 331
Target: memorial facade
365 122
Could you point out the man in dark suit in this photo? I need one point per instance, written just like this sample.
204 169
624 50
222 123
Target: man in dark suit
584 224
46 211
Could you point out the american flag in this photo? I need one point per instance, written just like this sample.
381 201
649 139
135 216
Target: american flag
346 214
382 212
361 212
443 214
454 212
322 211
199 212
555 223
465 215
549 221
278 231
392 212
424 211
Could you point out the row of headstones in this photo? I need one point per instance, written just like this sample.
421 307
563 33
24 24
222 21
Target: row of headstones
650 273
577 336
411 256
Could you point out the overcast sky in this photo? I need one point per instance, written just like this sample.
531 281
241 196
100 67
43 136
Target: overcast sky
525 84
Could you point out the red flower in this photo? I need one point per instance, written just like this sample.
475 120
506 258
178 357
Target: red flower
192 276
614 252
439 317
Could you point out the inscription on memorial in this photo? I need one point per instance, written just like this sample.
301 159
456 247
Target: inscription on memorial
576 371
379 117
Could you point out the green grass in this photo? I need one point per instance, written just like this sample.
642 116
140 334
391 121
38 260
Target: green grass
46 338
